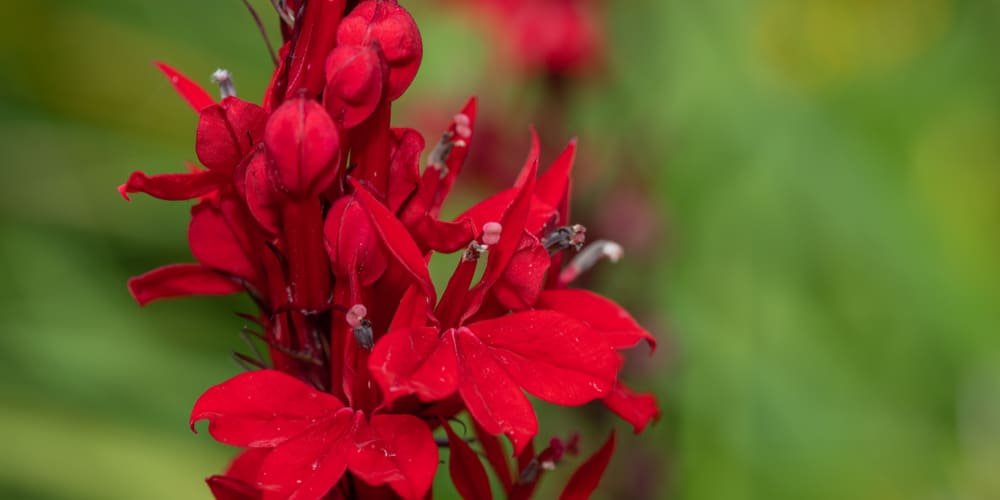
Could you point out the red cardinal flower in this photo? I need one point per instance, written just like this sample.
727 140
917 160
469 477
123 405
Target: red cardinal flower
317 208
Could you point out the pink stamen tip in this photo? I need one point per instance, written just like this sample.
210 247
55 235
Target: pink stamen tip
355 314
491 233
463 125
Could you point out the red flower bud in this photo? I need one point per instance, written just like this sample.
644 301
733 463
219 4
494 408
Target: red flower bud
356 80
304 146
392 27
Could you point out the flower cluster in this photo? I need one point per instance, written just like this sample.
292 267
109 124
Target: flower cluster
316 207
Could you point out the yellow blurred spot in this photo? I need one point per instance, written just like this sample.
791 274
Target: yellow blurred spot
813 44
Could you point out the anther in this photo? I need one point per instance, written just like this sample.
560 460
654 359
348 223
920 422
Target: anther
360 326
491 233
463 125
224 79
438 157
588 257
565 237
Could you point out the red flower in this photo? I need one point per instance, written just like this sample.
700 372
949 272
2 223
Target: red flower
317 208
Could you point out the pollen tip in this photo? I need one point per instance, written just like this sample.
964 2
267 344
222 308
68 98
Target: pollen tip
355 314
491 233
613 251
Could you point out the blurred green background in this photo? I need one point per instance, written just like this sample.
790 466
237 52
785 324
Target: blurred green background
826 183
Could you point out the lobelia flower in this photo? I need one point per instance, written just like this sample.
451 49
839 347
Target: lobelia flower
317 208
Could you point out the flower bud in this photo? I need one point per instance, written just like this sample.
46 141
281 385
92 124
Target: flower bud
304 146
392 27
355 83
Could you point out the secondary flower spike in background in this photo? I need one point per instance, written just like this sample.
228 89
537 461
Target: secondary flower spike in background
315 206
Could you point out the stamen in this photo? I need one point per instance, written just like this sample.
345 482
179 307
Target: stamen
224 79
474 250
360 326
588 257
491 233
565 237
462 126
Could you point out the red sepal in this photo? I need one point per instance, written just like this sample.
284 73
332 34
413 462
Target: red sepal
467 472
584 481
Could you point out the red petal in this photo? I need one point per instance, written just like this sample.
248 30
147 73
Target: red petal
467 472
392 27
513 221
228 488
263 200
612 320
551 355
356 76
414 361
636 409
262 409
247 464
553 186
404 166
216 243
398 450
584 481
491 395
196 96
521 283
308 466
172 186
397 240
304 144
495 455
412 311
180 280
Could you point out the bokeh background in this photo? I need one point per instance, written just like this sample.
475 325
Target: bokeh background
808 191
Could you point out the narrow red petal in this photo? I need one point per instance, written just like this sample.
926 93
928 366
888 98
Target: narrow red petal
467 472
180 280
262 409
636 409
602 314
495 455
584 481
553 186
172 186
195 96
398 450
396 240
